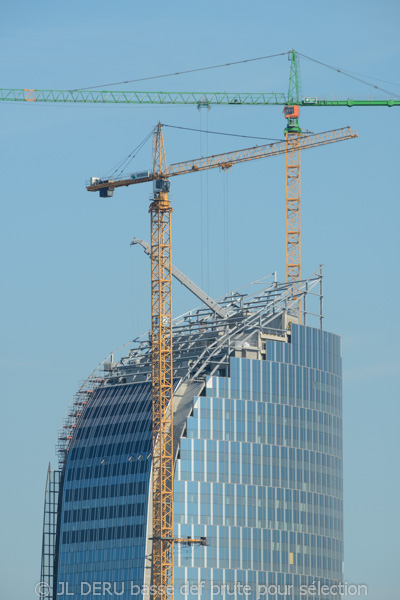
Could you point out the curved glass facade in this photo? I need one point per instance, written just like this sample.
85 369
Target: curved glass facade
260 474
105 494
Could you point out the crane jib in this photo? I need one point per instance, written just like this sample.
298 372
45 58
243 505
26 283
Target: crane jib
180 98
230 158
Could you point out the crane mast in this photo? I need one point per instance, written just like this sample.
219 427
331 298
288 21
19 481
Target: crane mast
162 376
293 188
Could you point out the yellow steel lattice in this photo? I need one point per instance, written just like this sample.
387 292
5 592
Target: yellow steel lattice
162 385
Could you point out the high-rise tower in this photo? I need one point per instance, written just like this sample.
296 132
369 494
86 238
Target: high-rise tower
258 459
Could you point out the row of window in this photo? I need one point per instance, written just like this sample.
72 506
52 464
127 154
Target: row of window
251 495
131 446
219 451
276 560
280 384
123 584
257 453
104 512
325 443
326 526
309 346
106 411
246 537
215 575
103 533
138 421
317 432
107 491
131 465
116 554
234 580
232 408
259 549
108 401
256 475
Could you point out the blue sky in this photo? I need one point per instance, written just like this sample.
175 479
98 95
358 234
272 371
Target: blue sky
73 288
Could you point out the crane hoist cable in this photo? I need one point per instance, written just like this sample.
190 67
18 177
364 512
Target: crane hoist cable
226 227
207 209
202 216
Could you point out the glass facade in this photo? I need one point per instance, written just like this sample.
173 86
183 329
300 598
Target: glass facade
105 494
258 473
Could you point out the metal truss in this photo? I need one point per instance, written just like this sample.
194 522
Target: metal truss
293 216
179 98
128 97
162 383
203 342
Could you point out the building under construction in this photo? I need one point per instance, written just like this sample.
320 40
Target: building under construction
257 449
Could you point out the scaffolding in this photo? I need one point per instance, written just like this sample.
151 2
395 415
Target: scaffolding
48 571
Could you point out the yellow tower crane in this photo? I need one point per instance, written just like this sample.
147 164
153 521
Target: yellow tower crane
161 324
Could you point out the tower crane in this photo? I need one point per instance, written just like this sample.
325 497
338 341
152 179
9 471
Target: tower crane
161 325
293 133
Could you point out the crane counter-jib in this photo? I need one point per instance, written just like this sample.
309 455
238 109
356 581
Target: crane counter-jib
349 102
125 180
225 160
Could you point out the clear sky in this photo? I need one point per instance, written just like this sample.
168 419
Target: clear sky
72 287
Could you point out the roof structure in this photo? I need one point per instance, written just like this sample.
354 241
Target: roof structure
203 342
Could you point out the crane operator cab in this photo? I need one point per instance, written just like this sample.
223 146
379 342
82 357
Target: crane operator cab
161 186
291 112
